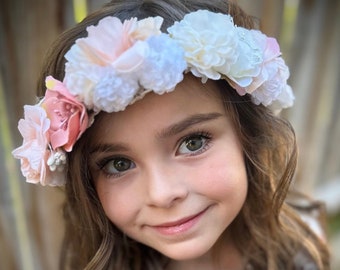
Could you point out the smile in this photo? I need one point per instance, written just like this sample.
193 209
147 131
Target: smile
179 226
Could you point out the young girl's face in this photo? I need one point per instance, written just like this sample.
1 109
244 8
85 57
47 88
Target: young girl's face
169 170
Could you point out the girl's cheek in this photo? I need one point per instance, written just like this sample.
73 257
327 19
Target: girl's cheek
120 205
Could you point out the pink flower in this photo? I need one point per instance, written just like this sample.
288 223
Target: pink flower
111 47
108 41
112 39
274 91
33 153
67 115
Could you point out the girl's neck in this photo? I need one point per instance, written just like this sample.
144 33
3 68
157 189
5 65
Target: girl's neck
222 256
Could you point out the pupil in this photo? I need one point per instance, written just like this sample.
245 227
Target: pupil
121 164
194 144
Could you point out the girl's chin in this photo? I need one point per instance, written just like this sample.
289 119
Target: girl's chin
187 253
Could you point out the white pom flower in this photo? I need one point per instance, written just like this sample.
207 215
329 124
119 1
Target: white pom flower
163 69
81 82
113 93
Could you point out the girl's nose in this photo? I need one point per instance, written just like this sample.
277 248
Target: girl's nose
165 187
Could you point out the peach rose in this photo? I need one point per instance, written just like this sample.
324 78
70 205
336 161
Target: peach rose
67 115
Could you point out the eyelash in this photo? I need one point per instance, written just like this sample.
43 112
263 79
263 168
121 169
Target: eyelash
198 134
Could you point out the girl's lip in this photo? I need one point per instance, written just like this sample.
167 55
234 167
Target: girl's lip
179 226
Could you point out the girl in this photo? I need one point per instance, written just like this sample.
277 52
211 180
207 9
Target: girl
158 118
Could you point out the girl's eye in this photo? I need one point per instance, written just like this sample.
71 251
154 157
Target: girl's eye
116 166
194 144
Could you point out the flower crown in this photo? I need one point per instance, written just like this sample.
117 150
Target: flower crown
119 62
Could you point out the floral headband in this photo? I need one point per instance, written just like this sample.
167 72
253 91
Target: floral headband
118 63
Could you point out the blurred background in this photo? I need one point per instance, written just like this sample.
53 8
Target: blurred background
31 225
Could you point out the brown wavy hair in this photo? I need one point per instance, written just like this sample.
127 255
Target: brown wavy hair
268 232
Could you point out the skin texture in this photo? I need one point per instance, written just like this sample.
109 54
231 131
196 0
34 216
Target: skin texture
170 173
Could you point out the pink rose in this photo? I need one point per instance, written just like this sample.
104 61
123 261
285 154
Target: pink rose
33 153
67 115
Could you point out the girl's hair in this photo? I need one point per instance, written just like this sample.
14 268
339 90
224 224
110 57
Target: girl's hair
268 232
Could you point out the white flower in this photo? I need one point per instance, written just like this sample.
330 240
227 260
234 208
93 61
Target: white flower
210 43
146 28
114 92
249 62
163 68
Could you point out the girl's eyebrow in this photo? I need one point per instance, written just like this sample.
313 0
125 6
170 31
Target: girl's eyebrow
186 123
165 133
108 147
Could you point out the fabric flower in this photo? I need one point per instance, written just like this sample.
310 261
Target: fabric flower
243 73
284 100
113 93
275 88
33 153
164 55
268 51
146 28
110 45
209 41
68 116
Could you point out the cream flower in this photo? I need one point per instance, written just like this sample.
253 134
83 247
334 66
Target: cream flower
249 63
209 41
146 28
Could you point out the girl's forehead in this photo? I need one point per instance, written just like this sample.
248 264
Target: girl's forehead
191 97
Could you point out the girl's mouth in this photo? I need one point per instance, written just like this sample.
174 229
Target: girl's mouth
179 226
